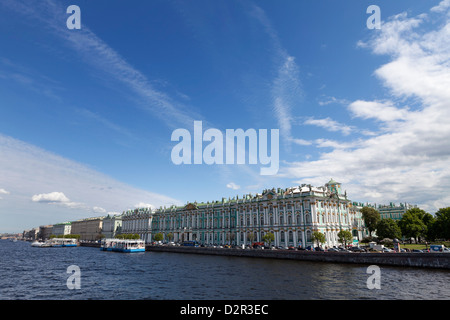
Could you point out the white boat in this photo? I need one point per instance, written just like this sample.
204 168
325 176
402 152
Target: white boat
122 245
40 244
56 242
63 242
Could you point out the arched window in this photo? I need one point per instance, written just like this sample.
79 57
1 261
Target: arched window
308 218
308 235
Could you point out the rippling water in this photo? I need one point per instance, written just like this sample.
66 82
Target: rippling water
41 273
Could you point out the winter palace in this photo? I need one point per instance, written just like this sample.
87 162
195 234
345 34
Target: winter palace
291 214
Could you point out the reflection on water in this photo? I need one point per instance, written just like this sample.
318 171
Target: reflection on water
41 273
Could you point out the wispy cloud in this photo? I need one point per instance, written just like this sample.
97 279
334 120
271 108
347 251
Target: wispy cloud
233 186
107 123
286 86
330 125
30 79
98 54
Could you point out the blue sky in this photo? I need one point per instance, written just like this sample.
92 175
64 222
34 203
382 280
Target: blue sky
86 116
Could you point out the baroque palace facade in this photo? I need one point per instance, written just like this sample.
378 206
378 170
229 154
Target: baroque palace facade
291 214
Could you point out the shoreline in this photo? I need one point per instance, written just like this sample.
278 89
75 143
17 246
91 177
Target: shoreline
417 260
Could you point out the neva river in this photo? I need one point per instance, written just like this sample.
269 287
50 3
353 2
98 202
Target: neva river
41 273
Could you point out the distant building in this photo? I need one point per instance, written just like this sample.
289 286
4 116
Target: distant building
31 234
62 228
392 210
89 229
138 221
45 232
112 226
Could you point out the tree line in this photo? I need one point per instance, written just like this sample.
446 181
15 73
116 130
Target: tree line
67 236
415 223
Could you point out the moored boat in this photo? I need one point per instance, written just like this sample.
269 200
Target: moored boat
40 244
122 245
56 242
63 242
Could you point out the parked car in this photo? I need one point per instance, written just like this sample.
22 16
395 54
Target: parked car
333 250
357 249
387 250
417 251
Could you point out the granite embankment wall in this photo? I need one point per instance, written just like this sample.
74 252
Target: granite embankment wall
421 260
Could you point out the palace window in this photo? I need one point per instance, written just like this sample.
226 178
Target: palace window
308 235
307 218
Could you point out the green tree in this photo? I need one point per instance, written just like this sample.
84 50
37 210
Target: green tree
411 223
371 217
269 237
170 236
158 237
388 228
345 237
441 224
319 237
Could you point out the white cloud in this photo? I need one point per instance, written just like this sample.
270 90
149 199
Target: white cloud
442 6
82 191
143 205
383 111
330 125
3 191
300 142
58 198
233 186
50 197
407 159
331 100
98 210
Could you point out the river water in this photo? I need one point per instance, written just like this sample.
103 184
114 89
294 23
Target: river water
29 273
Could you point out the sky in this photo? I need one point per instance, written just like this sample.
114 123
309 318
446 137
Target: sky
87 115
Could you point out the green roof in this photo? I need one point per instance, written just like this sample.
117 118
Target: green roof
333 182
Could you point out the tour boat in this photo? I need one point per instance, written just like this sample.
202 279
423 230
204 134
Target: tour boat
63 242
56 242
122 245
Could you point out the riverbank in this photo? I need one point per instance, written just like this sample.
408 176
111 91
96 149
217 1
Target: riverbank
418 260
